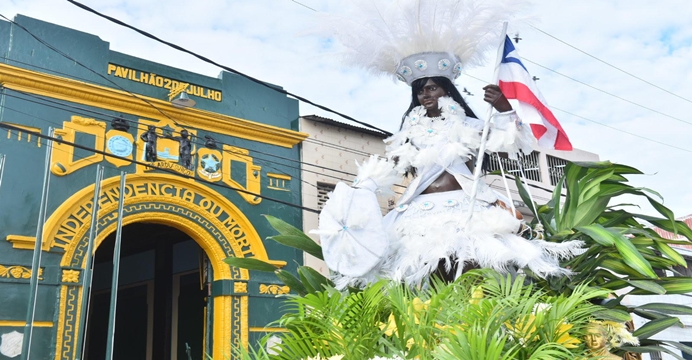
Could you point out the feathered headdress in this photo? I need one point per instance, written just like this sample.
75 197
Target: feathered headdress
412 39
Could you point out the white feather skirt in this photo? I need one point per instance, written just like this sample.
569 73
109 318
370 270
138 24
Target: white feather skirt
433 227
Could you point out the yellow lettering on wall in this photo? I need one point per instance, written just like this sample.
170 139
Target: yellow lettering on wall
164 82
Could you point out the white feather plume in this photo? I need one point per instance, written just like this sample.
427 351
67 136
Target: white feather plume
377 34
379 170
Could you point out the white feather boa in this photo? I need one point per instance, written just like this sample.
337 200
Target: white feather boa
423 140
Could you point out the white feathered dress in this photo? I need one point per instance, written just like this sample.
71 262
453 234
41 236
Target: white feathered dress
426 228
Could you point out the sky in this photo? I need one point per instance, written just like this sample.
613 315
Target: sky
604 109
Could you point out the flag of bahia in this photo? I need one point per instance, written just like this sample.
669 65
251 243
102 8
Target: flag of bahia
520 89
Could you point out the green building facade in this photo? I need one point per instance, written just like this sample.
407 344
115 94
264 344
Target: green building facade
190 201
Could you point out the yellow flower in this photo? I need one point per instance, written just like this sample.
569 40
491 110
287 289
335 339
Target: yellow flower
565 338
390 327
523 329
419 306
476 295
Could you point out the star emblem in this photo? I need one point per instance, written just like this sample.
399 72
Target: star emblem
210 163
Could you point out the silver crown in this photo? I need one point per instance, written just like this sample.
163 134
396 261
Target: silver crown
428 64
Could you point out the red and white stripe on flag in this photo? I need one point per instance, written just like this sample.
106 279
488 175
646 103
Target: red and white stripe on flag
520 89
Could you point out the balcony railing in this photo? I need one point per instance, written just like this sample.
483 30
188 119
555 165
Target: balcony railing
529 163
556 168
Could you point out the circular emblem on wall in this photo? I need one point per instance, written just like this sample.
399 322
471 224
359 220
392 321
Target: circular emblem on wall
120 145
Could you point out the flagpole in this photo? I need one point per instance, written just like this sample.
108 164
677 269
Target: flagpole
486 128
504 180
110 339
2 167
86 273
38 248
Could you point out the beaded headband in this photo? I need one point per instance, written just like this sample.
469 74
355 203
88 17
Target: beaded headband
428 64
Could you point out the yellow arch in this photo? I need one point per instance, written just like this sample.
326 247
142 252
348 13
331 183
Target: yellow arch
158 195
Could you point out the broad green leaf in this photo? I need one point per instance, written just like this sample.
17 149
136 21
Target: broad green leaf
590 210
653 327
641 241
670 253
667 225
314 278
599 234
665 212
593 164
613 314
617 177
648 285
632 257
592 181
649 315
619 267
525 197
650 349
684 348
676 285
308 287
573 173
666 308
611 189
652 192
250 264
303 243
615 218
291 281
616 284
283 227
557 214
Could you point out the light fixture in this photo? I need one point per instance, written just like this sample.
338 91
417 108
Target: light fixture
183 101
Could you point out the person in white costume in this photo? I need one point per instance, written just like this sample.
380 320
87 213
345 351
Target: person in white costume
428 231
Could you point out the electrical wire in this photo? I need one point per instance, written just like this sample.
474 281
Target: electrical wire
602 124
46 44
609 64
345 116
608 93
221 172
207 60
199 143
104 153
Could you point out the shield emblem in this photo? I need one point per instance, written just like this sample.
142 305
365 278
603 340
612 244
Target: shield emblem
11 345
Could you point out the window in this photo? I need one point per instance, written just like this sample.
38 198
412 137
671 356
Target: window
529 163
556 168
323 190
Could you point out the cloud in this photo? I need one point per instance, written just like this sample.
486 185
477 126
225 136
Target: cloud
652 40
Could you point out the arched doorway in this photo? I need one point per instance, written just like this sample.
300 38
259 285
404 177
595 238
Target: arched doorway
218 226
162 302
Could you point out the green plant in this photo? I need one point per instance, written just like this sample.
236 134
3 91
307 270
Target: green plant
623 254
483 315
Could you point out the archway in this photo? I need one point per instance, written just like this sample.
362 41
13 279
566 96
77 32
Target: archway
212 221
162 302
